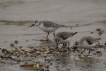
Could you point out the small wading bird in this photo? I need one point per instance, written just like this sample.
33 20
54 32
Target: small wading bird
63 38
47 26
86 42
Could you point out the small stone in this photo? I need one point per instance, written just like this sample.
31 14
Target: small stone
26 40
91 32
44 39
58 53
88 56
67 69
100 33
15 49
28 54
4 51
98 29
12 44
45 55
92 49
99 53
16 42
20 47
81 56
1 60
36 66
47 66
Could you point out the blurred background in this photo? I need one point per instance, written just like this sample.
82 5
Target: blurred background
61 11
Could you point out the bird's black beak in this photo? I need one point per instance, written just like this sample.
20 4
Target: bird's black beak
32 25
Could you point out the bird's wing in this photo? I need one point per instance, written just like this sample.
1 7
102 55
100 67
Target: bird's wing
90 40
49 24
63 35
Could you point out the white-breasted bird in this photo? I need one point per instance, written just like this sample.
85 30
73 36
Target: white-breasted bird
47 26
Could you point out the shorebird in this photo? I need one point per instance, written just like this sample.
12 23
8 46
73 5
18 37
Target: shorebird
63 38
47 26
86 42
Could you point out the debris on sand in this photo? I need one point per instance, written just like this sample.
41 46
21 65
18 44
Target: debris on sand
1 60
100 31
16 42
91 32
30 56
81 56
34 64
44 39
12 44
99 53
67 69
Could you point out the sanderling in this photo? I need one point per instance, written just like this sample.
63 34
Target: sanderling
86 42
47 26
63 38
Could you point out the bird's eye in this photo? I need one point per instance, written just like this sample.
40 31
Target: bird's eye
35 22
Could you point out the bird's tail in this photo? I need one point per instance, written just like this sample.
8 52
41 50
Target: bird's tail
98 38
75 33
62 26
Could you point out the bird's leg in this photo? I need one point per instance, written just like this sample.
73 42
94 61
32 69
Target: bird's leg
56 45
54 33
83 51
89 51
47 35
68 45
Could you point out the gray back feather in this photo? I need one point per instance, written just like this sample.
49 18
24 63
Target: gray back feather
89 39
49 24
64 35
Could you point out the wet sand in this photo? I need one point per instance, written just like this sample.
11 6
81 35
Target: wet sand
19 14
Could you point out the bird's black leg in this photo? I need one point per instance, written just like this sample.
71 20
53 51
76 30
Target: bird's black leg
47 35
68 45
83 51
54 33
56 45
89 51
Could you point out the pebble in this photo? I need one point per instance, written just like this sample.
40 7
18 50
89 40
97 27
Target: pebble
16 42
12 44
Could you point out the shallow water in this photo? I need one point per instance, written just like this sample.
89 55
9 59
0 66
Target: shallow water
17 15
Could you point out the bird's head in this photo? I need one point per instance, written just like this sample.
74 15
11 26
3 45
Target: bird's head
35 23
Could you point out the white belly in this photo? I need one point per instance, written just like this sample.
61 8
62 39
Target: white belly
64 41
86 45
47 29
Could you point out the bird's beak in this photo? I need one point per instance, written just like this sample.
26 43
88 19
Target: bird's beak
32 25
